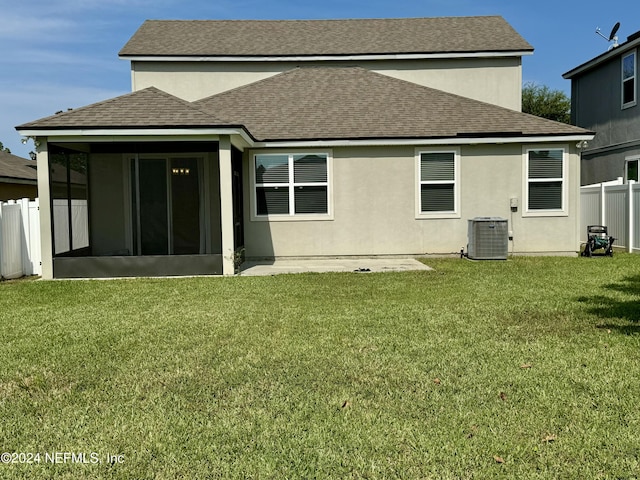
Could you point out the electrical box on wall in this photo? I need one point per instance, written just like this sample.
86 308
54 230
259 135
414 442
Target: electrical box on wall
513 203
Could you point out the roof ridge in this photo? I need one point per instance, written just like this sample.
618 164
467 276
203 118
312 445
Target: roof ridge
257 82
316 20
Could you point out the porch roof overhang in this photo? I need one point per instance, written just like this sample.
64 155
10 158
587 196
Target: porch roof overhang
145 115
240 138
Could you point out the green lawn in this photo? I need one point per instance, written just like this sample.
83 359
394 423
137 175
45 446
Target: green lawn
528 368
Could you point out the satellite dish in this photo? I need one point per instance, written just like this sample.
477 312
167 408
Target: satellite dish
612 36
614 30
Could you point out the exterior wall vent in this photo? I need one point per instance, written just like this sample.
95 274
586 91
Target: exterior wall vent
488 238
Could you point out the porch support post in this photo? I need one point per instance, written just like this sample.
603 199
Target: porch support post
44 200
226 205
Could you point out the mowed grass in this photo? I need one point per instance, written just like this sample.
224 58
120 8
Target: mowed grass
528 368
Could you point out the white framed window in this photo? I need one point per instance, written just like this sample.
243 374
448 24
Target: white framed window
545 181
629 80
438 183
631 168
291 186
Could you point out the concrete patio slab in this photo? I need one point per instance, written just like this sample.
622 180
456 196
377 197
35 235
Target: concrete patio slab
361 265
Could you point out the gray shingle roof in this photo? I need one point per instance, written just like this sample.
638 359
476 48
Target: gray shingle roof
324 37
315 103
355 103
12 166
146 108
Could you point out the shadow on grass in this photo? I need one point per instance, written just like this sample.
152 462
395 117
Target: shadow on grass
625 308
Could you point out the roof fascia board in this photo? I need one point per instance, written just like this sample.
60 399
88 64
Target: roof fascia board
214 134
138 134
424 141
601 59
316 58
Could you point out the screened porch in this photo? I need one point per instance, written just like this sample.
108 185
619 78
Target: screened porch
138 209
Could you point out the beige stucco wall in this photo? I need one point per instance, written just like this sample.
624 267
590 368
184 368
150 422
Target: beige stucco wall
374 208
493 80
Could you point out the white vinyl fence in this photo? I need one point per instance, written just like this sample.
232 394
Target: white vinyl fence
19 238
615 206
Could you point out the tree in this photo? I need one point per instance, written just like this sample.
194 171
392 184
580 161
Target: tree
3 149
543 102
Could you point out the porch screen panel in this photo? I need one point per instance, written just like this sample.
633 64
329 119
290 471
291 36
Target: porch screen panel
78 168
152 187
60 202
185 206
69 197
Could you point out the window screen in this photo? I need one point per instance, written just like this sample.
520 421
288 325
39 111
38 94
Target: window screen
545 179
291 184
437 182
629 79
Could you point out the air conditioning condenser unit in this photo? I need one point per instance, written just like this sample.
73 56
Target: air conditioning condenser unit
488 238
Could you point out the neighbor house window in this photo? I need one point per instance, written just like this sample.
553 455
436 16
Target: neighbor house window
545 180
629 80
437 182
291 184
631 170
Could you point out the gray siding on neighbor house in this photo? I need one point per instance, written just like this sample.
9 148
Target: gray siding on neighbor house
596 104
605 166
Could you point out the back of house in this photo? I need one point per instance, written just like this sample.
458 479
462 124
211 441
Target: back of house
305 138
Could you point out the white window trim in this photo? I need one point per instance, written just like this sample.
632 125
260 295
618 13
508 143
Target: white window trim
632 158
635 82
291 216
562 212
419 214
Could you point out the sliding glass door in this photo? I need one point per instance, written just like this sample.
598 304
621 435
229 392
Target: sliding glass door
167 208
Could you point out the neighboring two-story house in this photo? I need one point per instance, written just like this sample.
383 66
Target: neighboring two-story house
307 139
604 98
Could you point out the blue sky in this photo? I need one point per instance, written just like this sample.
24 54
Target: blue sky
59 54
